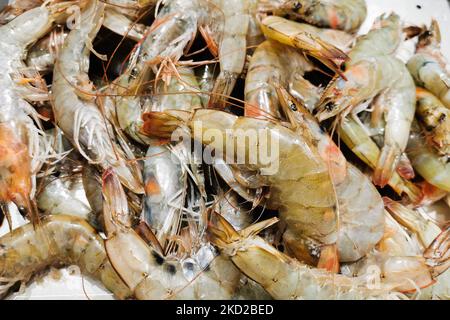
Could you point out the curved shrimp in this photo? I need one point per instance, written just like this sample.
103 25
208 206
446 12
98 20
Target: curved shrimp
434 117
58 241
22 142
311 219
122 25
165 41
17 7
323 44
283 277
346 15
152 276
426 161
232 47
273 65
42 55
429 67
75 110
373 71
361 220
359 141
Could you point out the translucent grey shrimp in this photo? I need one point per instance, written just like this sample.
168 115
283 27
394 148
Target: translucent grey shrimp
286 278
232 46
22 141
165 41
76 112
147 273
42 55
275 65
373 71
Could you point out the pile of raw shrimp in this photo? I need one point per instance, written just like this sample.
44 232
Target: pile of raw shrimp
121 123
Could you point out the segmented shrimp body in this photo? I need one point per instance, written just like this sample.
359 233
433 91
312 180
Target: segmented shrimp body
286 278
429 67
21 139
403 258
427 161
354 135
346 15
42 55
361 220
232 44
147 273
373 71
165 41
434 117
76 112
273 65
326 45
58 241
300 184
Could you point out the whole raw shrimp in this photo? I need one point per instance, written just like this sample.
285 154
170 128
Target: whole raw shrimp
164 43
361 222
58 241
429 67
326 45
296 169
434 117
22 142
346 15
286 278
427 161
427 232
273 65
373 71
231 35
147 273
76 112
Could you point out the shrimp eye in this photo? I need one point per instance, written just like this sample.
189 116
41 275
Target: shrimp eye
293 107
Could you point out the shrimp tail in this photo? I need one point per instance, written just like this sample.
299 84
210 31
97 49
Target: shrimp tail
163 124
223 234
223 87
387 162
437 255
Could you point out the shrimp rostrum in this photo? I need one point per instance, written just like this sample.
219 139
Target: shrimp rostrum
299 181
284 277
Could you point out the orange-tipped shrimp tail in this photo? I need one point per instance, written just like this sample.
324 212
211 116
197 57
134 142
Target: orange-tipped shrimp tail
437 255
